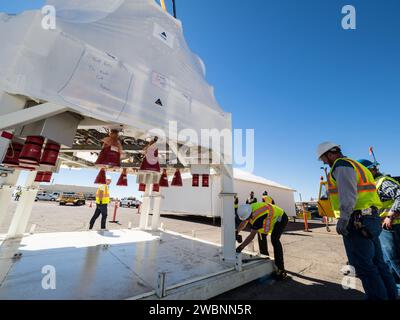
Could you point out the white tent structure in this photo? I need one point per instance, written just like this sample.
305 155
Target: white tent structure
201 201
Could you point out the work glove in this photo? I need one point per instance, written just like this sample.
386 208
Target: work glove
341 226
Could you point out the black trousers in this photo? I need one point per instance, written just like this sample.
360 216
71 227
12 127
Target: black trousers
100 209
276 242
237 220
263 243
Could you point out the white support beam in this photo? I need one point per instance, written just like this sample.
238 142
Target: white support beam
228 240
24 209
7 187
145 208
155 221
30 115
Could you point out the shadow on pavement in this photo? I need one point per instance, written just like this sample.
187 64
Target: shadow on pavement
292 289
195 219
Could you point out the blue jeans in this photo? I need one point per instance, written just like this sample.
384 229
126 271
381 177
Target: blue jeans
390 242
365 254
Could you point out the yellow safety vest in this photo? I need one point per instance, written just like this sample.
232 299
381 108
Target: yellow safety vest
367 195
267 199
386 205
269 213
106 195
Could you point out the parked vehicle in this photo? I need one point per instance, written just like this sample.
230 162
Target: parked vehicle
311 210
44 196
77 199
129 203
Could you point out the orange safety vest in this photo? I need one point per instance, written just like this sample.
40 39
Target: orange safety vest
267 199
269 212
366 189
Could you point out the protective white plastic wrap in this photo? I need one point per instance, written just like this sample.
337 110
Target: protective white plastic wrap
123 61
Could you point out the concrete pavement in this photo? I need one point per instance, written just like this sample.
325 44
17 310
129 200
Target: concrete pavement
313 259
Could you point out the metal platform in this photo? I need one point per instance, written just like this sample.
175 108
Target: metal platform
119 264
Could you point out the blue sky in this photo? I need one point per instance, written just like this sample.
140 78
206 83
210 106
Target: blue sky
287 69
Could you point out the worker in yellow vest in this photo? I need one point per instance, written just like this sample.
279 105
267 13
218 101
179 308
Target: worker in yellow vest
102 201
355 203
267 199
389 194
265 219
262 238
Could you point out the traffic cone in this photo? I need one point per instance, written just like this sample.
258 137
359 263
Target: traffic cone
177 180
142 187
156 188
101 177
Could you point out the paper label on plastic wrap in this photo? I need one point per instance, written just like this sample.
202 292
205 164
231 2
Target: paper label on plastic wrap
99 81
163 35
159 80
114 149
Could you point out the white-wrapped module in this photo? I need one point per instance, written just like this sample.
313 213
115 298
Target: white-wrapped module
123 61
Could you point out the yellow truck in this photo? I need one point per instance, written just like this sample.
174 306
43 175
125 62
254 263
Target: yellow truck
324 204
74 198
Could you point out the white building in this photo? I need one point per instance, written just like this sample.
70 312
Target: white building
205 201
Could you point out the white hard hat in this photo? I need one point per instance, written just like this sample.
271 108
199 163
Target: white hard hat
244 211
325 147
108 178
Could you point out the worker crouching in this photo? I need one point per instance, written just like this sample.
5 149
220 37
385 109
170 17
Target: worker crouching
265 218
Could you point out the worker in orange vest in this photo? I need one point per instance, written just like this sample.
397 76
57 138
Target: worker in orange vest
267 199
